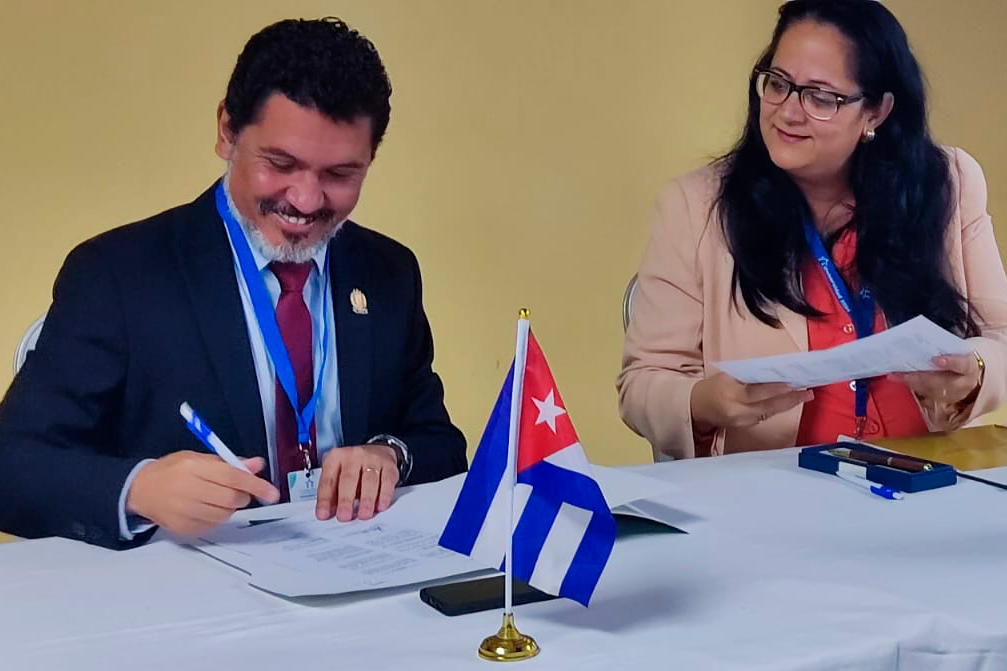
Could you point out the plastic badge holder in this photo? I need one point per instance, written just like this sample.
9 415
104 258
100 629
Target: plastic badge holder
817 458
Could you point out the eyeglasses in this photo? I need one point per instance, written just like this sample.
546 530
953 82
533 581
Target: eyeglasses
819 104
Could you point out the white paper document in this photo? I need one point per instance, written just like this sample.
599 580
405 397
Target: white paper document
660 512
905 348
301 556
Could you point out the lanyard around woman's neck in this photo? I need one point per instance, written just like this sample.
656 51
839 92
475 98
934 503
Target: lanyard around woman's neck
859 307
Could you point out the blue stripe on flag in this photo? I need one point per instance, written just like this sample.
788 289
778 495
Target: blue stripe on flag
483 478
531 531
563 484
590 559
551 487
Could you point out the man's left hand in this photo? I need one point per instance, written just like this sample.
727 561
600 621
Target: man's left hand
368 473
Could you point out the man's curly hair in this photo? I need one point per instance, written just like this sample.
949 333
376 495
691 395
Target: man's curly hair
319 63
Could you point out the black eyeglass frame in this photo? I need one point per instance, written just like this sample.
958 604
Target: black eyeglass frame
841 99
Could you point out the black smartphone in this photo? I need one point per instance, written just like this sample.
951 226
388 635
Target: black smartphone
473 596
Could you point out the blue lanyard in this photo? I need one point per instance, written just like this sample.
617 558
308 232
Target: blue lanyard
860 309
265 314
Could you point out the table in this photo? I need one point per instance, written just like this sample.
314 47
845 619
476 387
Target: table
783 569
966 449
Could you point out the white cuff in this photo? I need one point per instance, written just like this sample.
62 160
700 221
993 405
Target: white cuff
131 525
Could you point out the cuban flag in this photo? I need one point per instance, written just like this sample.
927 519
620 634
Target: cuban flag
563 529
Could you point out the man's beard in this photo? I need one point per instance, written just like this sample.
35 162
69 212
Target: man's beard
288 252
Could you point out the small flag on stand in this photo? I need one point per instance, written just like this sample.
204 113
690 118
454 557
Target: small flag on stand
529 502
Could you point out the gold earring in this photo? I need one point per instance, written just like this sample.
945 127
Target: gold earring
869 136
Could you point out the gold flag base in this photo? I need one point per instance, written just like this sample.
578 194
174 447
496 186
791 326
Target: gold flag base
508 644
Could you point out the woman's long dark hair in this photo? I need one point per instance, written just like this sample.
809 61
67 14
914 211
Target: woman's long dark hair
901 183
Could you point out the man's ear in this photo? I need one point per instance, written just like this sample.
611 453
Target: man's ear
225 137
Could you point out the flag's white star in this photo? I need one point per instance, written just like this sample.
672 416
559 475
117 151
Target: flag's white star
548 411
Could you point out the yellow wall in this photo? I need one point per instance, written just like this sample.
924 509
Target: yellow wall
528 140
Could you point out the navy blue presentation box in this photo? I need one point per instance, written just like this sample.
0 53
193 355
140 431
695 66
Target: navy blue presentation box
817 458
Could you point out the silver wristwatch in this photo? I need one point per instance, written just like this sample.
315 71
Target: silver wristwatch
402 454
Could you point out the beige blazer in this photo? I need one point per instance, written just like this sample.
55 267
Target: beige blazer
684 319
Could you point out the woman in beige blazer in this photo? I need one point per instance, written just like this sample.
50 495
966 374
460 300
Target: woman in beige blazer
836 136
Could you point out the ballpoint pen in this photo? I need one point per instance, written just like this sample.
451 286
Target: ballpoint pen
201 430
893 460
883 491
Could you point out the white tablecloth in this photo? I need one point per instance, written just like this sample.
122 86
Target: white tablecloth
783 569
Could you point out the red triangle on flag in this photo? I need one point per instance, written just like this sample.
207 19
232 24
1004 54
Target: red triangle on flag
545 425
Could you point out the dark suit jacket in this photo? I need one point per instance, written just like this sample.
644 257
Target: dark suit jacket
148 315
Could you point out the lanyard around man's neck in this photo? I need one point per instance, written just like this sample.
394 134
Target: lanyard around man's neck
265 315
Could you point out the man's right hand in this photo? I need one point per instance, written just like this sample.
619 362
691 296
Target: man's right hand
721 401
189 492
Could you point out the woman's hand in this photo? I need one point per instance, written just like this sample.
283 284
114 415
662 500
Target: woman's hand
958 378
721 401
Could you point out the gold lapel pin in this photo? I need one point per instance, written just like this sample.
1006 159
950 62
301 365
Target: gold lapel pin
358 301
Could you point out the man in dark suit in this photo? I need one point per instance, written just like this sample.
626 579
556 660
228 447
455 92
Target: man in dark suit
297 335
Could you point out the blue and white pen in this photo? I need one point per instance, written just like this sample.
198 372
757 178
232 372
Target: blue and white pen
202 431
857 475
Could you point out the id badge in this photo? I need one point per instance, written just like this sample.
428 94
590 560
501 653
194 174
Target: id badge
303 486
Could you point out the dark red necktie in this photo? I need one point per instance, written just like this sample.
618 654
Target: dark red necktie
294 320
